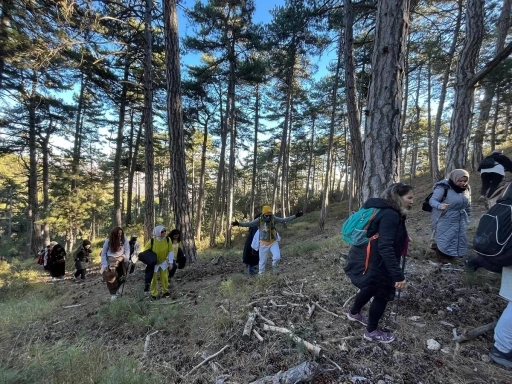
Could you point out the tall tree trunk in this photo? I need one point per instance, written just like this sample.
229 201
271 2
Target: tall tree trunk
77 145
5 24
255 149
120 128
382 130
220 177
45 149
489 90
34 231
179 183
231 127
495 121
147 116
310 163
457 150
436 168
405 105
354 123
133 153
334 100
202 182
429 115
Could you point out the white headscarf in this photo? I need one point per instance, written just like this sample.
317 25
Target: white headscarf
157 232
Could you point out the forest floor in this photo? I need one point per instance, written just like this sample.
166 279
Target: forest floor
69 332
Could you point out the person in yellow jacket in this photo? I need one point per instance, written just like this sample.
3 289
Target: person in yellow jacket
161 245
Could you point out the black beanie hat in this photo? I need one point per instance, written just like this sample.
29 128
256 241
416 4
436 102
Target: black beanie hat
86 242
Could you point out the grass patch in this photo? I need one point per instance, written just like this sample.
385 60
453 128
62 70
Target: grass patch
86 361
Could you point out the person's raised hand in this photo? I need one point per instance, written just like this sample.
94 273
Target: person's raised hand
299 214
235 223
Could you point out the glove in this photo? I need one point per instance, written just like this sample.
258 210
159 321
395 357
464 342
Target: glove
299 214
235 223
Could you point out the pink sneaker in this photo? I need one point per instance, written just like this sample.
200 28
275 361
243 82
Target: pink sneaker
357 317
378 335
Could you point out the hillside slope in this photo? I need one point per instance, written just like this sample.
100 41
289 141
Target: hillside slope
68 332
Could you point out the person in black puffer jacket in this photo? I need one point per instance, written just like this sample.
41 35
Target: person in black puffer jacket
381 275
81 259
57 261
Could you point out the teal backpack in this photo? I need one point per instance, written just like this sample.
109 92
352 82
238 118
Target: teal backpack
353 230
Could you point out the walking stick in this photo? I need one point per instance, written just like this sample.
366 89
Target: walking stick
404 257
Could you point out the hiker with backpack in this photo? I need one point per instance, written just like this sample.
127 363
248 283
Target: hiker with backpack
162 247
374 266
451 210
180 259
134 252
81 260
56 261
492 170
268 236
114 259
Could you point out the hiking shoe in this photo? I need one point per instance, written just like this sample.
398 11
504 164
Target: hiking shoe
357 317
482 197
113 297
501 358
378 335
166 295
153 298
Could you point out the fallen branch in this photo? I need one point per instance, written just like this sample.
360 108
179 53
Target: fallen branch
304 372
146 344
224 310
311 309
347 301
474 333
165 302
332 362
207 360
73 306
274 304
289 293
248 326
269 322
316 350
325 310
258 336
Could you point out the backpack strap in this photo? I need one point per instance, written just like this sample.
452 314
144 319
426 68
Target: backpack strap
368 252
374 213
151 244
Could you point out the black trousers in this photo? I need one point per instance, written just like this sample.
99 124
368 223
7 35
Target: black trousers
80 272
377 307
490 182
148 275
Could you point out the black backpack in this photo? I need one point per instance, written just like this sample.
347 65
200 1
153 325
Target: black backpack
426 205
493 238
487 163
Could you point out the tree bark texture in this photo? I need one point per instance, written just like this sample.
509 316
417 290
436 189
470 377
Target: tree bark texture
354 122
120 126
147 116
202 182
329 160
176 133
382 130
435 166
457 148
231 127
252 212
489 90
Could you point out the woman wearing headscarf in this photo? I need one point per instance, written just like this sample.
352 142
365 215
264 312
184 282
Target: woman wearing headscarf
450 216
161 245
114 258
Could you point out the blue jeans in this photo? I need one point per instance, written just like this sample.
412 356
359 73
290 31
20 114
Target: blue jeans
503 330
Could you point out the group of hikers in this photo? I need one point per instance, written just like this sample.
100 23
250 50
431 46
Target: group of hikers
375 263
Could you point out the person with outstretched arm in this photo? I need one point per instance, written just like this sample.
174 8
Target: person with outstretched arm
268 236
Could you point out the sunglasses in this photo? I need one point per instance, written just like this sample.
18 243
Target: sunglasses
268 215
163 231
